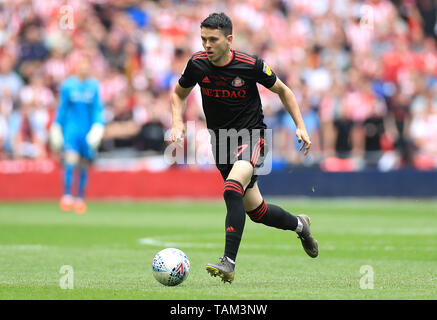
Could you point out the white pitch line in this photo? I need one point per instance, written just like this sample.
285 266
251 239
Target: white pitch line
23 247
168 244
174 244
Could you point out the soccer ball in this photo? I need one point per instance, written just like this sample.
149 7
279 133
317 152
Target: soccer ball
170 266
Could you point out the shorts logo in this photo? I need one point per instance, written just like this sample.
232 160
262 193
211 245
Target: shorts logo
240 150
237 82
266 69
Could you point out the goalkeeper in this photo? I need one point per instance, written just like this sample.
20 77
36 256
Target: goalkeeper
77 130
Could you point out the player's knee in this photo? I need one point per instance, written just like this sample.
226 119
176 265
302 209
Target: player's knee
232 189
241 171
71 158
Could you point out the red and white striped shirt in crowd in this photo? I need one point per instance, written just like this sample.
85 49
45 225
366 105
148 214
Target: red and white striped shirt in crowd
56 69
38 95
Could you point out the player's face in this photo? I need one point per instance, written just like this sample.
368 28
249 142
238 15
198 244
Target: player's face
215 43
83 68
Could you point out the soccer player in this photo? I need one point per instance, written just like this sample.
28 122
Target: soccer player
77 129
231 100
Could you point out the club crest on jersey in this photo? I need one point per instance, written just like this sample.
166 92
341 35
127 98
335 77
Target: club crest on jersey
237 82
266 69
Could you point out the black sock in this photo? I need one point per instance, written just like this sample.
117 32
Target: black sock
273 216
235 218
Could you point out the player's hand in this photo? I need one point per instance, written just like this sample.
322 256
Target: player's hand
55 137
302 135
178 133
95 135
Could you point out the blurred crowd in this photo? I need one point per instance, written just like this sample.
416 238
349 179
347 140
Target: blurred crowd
364 73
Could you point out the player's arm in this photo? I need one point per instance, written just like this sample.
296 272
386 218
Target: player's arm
95 135
289 101
178 105
56 136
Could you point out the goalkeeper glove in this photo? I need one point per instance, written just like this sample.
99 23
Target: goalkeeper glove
56 138
95 135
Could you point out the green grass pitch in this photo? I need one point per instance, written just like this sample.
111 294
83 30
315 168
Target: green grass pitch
111 248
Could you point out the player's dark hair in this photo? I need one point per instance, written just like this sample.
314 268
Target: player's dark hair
218 21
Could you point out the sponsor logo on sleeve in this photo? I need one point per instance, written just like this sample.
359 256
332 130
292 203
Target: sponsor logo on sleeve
266 69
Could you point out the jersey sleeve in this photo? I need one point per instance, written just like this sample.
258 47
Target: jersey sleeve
63 102
187 79
98 110
264 74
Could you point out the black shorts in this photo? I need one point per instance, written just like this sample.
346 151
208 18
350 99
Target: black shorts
250 147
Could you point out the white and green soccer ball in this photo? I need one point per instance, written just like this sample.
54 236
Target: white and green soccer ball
171 266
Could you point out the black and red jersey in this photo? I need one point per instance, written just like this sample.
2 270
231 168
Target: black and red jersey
230 96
